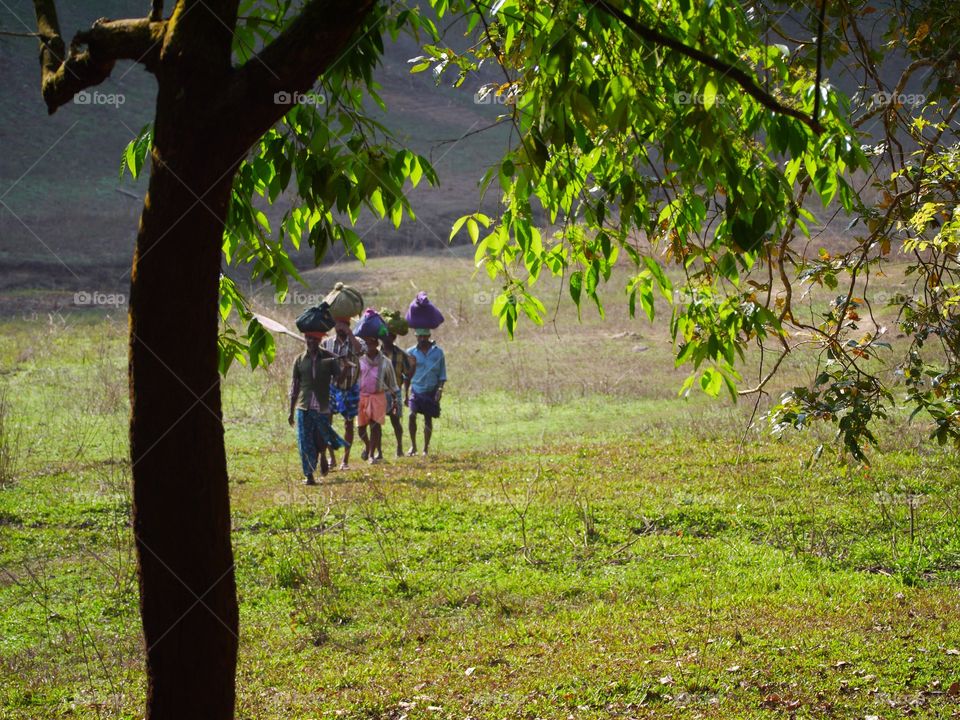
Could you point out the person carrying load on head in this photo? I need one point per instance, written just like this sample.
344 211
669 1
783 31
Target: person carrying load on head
345 302
403 368
377 383
430 375
310 405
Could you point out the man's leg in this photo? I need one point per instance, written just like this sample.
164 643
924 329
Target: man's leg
413 433
427 432
366 441
398 432
376 436
334 411
307 443
348 436
324 466
321 449
395 413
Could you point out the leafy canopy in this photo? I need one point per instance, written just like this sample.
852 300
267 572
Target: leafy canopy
684 140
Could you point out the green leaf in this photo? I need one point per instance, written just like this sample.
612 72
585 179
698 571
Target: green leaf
135 154
711 381
457 225
354 244
576 286
709 94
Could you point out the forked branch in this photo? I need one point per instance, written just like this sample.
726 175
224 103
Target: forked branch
92 52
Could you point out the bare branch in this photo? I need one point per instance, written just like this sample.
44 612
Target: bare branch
313 42
64 74
731 72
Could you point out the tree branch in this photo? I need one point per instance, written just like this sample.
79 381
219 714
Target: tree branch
747 83
63 74
264 88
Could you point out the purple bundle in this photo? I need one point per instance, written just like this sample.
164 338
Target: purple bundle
371 325
423 314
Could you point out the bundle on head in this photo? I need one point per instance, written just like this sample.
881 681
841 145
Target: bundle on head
395 322
344 301
315 319
423 314
371 325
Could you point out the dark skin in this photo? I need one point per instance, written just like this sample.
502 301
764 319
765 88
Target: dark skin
313 350
343 332
389 343
374 442
423 345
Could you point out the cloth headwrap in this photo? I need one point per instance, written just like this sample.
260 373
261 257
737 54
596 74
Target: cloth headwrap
420 332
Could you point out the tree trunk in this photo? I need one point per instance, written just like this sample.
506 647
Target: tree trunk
181 508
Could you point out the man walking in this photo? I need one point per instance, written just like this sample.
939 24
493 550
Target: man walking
426 387
309 406
345 388
377 380
403 368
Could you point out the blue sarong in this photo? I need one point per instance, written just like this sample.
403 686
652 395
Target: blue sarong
314 431
345 402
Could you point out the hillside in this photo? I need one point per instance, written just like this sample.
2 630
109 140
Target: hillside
66 220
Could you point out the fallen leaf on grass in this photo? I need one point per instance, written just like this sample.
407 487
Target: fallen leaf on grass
954 689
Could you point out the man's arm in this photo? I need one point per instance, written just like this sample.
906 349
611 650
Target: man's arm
294 391
334 364
356 344
443 375
390 377
408 376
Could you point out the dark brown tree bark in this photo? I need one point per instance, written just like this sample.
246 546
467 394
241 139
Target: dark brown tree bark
207 116
181 503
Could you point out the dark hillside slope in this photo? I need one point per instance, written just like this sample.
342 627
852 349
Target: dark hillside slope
68 221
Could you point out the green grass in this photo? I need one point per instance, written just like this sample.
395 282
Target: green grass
582 544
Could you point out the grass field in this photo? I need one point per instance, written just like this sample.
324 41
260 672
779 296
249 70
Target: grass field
583 544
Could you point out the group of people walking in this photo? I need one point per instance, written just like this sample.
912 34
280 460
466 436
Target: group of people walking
362 375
